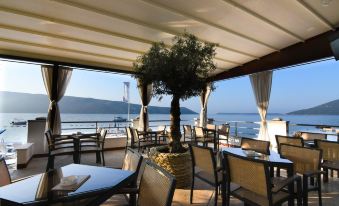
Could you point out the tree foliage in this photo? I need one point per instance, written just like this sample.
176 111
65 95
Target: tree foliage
181 70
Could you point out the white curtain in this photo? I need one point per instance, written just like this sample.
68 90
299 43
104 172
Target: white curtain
146 96
64 76
261 85
204 100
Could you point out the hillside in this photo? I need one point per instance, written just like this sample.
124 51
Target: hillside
13 102
329 108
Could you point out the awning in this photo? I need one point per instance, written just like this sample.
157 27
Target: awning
110 35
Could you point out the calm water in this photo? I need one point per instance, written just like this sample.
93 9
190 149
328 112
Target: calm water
19 133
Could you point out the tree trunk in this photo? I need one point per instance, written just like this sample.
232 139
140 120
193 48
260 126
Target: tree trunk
175 135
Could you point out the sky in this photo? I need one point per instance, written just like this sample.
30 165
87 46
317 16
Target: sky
293 88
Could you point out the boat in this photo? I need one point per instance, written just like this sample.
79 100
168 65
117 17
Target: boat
18 123
119 119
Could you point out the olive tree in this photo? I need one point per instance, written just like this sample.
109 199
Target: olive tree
180 71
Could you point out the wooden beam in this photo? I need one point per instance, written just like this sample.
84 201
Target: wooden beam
315 48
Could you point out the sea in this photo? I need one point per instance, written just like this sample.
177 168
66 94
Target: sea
241 124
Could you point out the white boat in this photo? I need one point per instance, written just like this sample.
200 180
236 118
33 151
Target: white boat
19 123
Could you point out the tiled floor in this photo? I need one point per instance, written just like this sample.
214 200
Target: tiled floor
203 194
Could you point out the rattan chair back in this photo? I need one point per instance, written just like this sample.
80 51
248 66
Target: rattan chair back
224 129
330 150
136 134
204 160
255 145
130 136
49 138
304 159
103 134
5 178
199 132
188 131
132 161
161 128
156 186
211 126
307 136
248 173
296 141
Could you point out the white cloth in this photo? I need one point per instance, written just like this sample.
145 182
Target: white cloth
146 96
261 85
204 100
64 76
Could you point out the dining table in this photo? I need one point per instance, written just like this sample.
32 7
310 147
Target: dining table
100 184
273 159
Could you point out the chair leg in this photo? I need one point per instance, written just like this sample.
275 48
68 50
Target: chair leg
192 188
216 196
98 157
319 189
50 163
325 176
312 181
299 193
305 190
103 158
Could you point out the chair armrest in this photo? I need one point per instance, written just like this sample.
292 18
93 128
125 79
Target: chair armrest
310 174
283 183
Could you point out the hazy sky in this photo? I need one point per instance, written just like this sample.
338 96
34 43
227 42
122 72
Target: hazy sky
293 88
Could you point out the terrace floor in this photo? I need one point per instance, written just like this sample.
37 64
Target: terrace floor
203 194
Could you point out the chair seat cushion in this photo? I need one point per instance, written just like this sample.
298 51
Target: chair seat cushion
209 177
245 194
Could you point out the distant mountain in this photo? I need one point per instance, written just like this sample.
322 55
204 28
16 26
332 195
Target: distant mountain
329 108
14 102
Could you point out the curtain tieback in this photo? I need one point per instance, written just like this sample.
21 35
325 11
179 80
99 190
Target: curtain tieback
145 109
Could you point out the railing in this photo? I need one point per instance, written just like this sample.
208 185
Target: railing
115 128
237 128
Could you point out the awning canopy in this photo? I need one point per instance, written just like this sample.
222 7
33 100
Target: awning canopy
110 35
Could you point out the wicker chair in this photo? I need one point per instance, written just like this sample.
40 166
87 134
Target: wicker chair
96 145
188 134
255 145
307 162
251 182
156 186
201 136
130 140
311 137
58 146
132 162
330 156
296 141
223 134
141 140
5 178
162 133
204 167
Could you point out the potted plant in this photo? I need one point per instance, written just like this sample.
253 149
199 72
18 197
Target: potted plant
180 71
